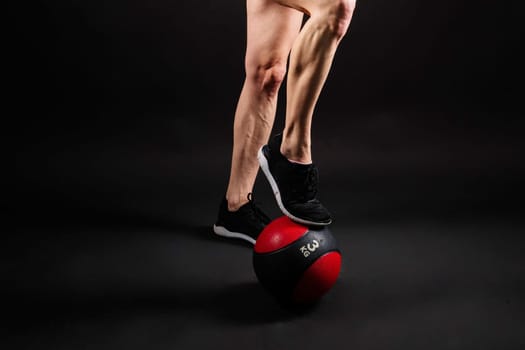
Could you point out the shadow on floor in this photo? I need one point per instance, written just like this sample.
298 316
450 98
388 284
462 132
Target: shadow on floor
242 303
249 303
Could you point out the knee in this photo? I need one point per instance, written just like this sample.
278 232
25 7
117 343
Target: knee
339 16
266 78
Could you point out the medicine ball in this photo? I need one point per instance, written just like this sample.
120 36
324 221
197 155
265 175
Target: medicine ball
296 263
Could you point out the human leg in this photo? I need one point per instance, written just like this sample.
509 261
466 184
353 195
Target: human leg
271 31
310 61
286 161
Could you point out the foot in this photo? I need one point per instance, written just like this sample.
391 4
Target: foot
245 223
294 185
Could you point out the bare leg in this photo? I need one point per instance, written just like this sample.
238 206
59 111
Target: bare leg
310 61
272 30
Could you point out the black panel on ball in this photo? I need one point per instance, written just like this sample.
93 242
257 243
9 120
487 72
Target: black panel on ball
280 270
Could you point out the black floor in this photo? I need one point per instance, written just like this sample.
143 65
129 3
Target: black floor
112 245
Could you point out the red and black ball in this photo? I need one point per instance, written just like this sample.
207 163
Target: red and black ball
296 263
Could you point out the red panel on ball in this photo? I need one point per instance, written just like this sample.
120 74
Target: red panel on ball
318 278
278 234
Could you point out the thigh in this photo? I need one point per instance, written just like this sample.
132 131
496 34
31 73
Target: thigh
272 29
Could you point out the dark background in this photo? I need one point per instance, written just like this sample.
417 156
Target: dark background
119 115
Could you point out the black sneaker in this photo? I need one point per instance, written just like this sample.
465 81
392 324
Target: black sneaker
245 223
294 185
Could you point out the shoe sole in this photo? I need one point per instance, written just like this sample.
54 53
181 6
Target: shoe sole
263 162
224 232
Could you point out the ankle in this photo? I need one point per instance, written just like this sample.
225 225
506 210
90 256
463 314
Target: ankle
299 153
296 148
234 202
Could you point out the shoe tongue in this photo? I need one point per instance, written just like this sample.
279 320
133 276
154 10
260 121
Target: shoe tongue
252 210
